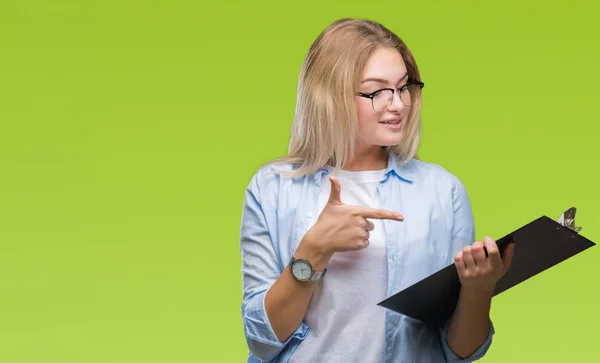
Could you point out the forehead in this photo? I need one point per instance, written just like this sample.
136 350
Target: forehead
385 63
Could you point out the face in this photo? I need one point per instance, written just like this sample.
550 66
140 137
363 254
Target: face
384 69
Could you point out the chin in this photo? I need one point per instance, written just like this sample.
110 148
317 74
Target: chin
392 140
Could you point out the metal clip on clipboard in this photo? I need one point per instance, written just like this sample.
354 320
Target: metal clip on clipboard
567 219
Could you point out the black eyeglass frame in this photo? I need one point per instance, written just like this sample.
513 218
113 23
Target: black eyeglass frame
399 90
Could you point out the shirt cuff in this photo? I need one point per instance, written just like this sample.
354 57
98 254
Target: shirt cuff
477 354
260 336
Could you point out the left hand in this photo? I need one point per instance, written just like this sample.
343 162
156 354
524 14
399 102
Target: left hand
478 272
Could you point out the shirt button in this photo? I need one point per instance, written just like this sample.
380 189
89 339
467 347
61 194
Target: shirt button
309 215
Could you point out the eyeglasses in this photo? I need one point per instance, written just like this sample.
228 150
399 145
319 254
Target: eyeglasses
382 99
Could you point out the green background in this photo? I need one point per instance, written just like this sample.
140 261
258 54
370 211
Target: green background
130 129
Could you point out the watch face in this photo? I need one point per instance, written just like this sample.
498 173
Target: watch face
301 270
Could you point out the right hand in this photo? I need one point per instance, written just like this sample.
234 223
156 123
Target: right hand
341 227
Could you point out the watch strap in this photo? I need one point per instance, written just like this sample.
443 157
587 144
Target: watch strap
317 275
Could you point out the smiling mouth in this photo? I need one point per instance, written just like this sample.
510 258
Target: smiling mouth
391 122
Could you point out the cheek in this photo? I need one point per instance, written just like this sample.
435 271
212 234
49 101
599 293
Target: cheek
367 118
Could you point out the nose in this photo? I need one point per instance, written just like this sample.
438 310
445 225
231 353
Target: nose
397 104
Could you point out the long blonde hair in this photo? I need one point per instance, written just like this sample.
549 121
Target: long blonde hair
325 124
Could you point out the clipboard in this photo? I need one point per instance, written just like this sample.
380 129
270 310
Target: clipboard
539 245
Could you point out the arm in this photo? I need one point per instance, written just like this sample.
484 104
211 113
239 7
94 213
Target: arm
274 303
338 228
261 268
287 300
468 334
470 325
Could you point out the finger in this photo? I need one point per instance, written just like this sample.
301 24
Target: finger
468 257
478 253
362 240
459 262
378 214
370 226
363 234
336 191
509 253
493 252
364 244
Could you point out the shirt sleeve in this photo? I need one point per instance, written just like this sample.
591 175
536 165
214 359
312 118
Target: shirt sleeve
261 267
463 234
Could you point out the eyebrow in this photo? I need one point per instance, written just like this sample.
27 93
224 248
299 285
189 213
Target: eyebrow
381 80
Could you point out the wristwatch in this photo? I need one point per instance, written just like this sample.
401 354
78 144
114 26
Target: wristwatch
302 270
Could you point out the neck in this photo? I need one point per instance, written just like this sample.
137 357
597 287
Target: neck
372 158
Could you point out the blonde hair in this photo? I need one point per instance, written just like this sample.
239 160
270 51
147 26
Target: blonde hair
325 123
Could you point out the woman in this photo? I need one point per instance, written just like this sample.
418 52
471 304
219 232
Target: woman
351 216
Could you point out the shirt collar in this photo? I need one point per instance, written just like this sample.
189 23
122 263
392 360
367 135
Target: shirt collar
404 171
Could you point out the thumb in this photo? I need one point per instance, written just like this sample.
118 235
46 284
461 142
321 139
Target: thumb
336 190
509 252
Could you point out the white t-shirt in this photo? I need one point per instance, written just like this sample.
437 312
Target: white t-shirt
346 325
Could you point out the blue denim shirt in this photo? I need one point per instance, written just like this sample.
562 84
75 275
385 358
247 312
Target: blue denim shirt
438 222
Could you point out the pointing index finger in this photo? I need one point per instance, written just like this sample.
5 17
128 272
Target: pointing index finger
379 214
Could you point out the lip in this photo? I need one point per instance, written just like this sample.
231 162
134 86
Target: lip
393 126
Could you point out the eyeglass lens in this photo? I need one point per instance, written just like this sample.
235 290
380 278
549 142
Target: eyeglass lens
408 95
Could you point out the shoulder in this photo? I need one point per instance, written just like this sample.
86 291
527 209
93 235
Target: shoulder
268 179
447 191
437 176
432 172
